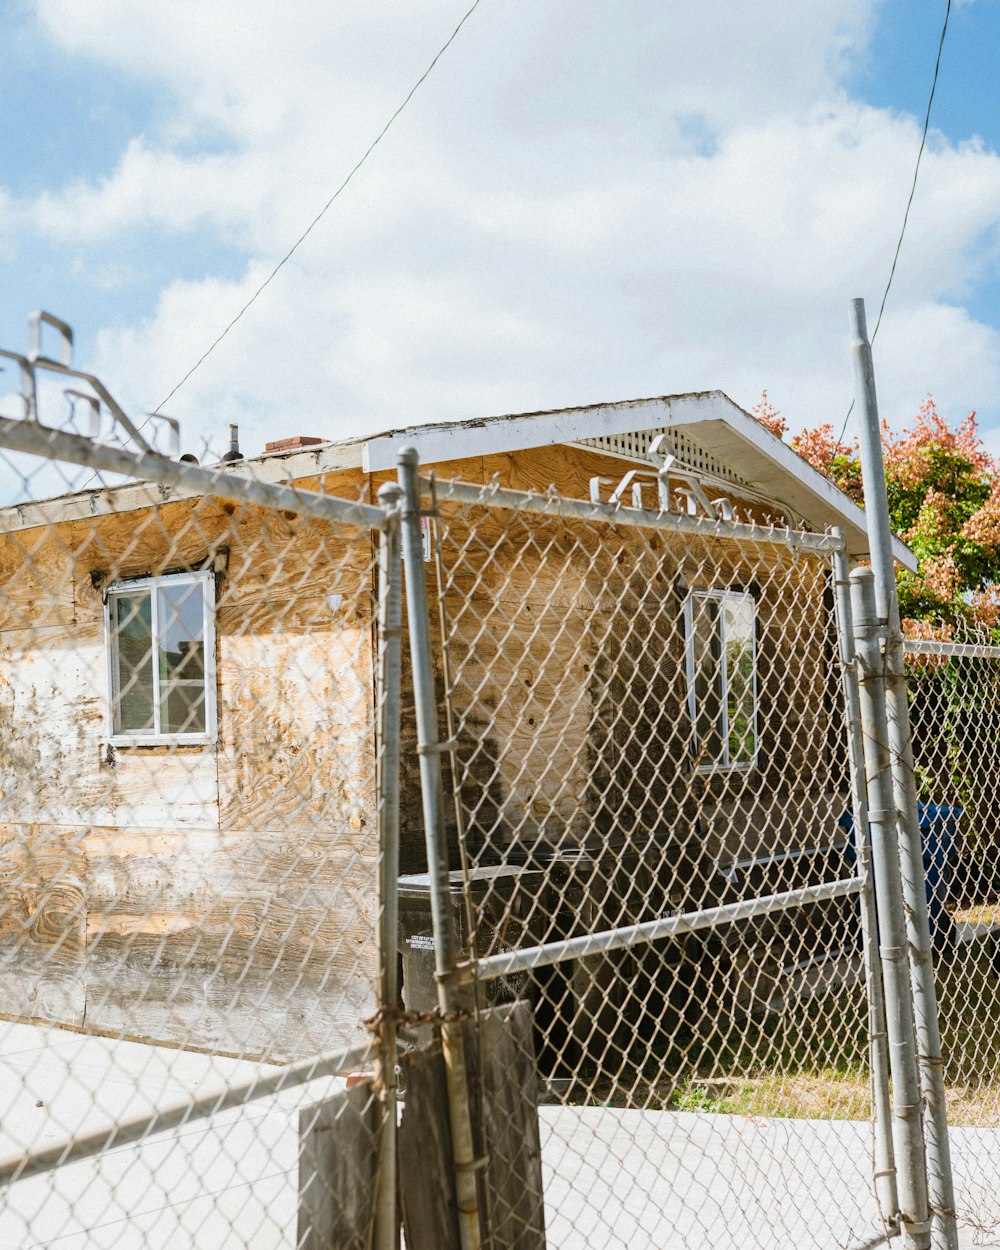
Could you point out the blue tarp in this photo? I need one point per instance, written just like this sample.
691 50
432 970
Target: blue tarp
938 829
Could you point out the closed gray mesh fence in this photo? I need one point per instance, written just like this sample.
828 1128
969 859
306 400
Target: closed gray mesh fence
954 687
189 866
650 844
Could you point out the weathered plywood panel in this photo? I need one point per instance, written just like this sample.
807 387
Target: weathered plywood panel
37 588
296 746
143 542
338 1170
42 922
259 940
506 1132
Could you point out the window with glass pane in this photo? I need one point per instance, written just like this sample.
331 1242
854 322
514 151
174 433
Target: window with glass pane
720 626
161 636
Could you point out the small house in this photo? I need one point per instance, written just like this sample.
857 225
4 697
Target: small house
188 826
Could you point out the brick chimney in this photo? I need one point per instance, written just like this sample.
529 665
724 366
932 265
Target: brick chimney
292 444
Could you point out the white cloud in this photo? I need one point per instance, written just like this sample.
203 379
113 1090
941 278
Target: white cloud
586 201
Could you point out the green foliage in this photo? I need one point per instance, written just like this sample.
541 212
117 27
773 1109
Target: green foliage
944 502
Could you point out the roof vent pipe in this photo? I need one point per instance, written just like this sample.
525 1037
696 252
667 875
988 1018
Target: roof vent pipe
234 452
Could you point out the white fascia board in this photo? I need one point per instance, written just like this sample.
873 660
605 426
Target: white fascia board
790 471
459 441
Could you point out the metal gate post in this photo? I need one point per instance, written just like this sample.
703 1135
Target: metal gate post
908 1135
939 1175
389 691
429 748
885 1162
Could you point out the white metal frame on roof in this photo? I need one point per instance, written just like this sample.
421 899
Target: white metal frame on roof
778 471
724 429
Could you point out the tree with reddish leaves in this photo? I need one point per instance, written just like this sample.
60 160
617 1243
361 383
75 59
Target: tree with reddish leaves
944 502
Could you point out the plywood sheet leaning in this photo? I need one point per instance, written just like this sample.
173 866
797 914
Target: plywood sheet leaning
338 1170
511 1192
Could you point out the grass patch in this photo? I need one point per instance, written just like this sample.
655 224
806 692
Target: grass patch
809 1059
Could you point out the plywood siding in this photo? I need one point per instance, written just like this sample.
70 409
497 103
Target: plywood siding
223 895
567 653
226 895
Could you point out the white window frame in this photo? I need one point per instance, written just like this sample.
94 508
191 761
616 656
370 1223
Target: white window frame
720 595
141 738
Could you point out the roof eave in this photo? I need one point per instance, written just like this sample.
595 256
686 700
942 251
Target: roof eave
819 500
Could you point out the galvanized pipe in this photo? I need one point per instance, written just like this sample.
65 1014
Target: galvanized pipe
445 949
950 650
673 522
390 681
150 466
91 1145
925 1008
526 958
911 1176
885 1162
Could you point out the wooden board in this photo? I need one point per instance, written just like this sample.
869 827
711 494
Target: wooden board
338 1170
507 1125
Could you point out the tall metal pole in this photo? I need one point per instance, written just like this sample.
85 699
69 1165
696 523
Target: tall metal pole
885 1162
939 1175
390 681
429 749
911 1178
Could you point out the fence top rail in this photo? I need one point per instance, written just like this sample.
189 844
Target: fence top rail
951 650
150 466
490 496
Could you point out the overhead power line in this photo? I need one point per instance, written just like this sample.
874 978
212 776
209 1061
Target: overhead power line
322 212
909 204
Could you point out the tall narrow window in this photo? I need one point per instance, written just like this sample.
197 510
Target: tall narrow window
161 656
720 627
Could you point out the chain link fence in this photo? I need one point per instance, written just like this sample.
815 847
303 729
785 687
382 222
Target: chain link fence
193 808
649 842
582 876
954 682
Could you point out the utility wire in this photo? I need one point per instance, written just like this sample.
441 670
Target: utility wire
909 205
319 216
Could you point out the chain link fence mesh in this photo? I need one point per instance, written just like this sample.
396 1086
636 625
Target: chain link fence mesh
954 683
644 726
189 857
646 723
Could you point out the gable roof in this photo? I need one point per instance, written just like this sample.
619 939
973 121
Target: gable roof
710 419
725 436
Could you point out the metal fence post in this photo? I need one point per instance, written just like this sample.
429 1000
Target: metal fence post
390 680
429 748
939 1174
908 1136
885 1162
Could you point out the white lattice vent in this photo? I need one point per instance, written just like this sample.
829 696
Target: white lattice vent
635 444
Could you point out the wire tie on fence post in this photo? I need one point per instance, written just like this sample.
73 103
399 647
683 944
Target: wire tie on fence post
434 748
915 1226
474 1165
462 974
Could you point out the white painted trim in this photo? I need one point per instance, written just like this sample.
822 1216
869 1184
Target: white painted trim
719 593
204 577
460 440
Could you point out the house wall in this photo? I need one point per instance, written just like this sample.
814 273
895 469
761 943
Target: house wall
567 655
225 896
222 895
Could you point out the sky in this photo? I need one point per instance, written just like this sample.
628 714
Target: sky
585 201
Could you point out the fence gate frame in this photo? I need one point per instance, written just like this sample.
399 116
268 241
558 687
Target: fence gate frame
910 1204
